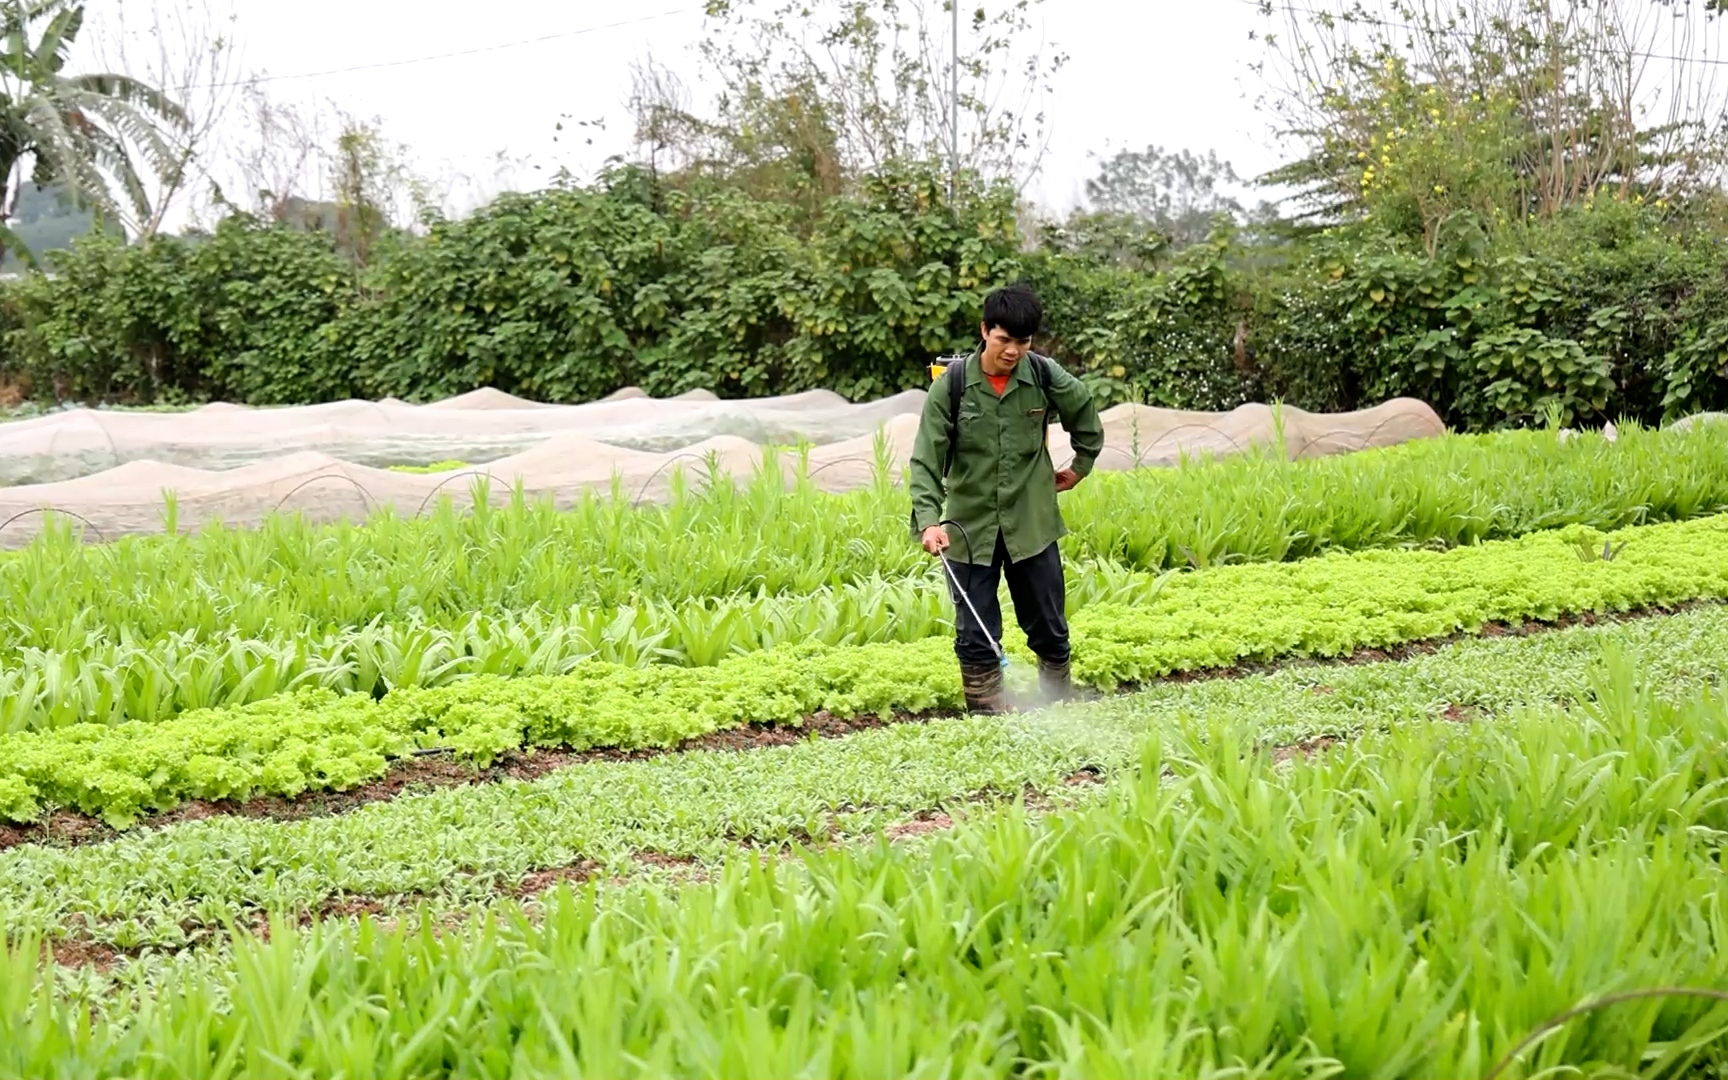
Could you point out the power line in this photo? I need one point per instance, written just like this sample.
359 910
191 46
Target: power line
1363 19
449 55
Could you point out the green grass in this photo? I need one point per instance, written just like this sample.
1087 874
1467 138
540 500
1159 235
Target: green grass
763 539
1409 905
149 628
106 681
1326 606
456 847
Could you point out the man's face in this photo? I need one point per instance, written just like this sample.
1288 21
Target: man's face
1003 350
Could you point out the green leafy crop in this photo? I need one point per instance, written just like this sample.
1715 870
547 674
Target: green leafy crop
1217 618
1414 904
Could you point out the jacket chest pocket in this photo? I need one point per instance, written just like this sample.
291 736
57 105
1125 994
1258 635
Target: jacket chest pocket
972 427
1028 429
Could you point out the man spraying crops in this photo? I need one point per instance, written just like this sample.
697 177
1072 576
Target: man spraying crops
982 478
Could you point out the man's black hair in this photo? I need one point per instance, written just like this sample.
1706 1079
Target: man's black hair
1015 309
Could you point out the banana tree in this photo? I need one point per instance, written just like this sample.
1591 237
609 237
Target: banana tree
88 134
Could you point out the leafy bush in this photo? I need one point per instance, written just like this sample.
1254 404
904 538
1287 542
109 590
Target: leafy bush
1608 310
245 314
562 295
1161 337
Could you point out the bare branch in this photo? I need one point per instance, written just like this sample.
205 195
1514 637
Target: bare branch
1568 97
188 50
880 70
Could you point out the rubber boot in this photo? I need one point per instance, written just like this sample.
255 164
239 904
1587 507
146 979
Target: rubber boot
1055 681
983 686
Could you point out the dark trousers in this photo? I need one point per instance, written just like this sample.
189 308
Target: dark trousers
1040 604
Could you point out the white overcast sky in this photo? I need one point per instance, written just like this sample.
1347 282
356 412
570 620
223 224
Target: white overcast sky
1176 73
1169 72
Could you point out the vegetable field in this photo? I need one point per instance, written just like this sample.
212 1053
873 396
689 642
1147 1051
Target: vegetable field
1388 763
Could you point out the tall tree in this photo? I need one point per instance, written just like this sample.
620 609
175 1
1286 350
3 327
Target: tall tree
1420 111
1178 193
84 133
188 50
809 93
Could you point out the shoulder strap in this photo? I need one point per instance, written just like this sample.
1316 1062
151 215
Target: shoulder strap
956 388
1041 369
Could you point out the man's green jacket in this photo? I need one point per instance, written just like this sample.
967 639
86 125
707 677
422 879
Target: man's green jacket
1003 482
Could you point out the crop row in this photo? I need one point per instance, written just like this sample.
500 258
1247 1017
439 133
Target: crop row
104 681
768 538
458 846
1319 607
1411 905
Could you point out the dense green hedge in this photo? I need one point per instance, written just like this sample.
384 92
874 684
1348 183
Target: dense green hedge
1612 310
563 295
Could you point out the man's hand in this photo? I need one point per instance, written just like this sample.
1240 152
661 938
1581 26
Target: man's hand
1067 480
935 539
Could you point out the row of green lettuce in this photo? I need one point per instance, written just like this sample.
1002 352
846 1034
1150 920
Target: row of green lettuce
768 538
1321 607
108 681
179 890
1414 904
227 619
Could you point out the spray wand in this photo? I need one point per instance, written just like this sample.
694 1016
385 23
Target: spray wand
960 591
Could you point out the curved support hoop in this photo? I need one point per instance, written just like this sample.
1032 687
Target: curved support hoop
813 473
103 537
1140 458
366 497
637 501
95 418
452 478
1363 442
1311 440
